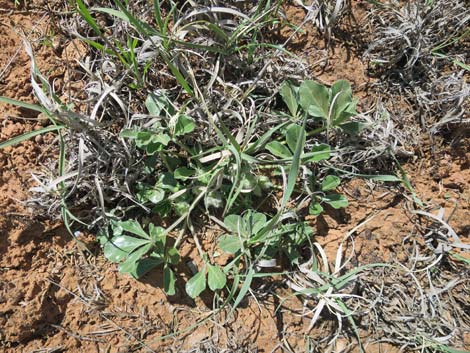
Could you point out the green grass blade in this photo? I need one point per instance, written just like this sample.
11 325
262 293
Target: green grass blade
34 107
141 26
180 78
243 290
83 11
294 170
28 135
233 147
158 15
264 139
348 314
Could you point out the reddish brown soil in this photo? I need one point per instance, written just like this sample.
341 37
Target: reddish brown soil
57 297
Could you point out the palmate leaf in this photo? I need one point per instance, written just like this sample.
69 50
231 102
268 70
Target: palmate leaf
172 256
353 127
318 153
143 266
156 103
133 227
233 223
158 235
135 264
118 248
183 173
154 195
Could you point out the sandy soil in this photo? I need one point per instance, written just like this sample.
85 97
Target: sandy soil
57 297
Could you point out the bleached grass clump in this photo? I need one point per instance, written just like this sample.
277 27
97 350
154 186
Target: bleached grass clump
418 49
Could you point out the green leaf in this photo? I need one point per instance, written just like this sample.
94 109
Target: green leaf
167 181
248 182
157 234
314 98
316 112
349 112
155 104
293 134
113 12
294 171
184 125
145 265
164 139
341 86
181 207
341 96
172 256
118 248
336 200
28 135
244 289
253 222
315 208
318 153
129 133
153 148
133 227
179 78
279 150
196 284
233 223
184 173
216 277
353 127
169 281
288 95
214 199
143 138
152 195
330 182
258 144
163 208
131 264
229 243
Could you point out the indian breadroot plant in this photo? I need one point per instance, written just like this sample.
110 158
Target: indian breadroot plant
192 118
226 180
177 129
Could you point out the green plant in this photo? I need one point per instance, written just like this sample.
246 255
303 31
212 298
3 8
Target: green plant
229 177
181 173
185 166
141 253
